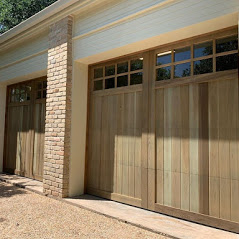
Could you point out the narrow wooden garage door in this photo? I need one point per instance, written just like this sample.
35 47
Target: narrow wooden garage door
115 141
164 130
25 126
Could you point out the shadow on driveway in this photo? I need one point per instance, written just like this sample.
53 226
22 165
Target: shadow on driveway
7 190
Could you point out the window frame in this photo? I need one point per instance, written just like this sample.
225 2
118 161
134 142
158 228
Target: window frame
190 43
116 75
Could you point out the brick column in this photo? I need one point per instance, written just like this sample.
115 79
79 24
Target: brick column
58 109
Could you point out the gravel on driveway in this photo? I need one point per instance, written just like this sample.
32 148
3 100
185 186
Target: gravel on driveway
24 215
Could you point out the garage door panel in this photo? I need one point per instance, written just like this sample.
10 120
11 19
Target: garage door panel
119 136
197 154
11 144
24 141
95 143
39 139
18 138
24 146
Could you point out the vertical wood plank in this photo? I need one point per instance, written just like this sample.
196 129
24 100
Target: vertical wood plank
203 154
131 126
234 200
234 149
214 170
115 142
193 150
125 152
167 146
104 143
145 130
159 145
176 147
224 149
119 150
111 145
151 136
96 143
185 162
138 143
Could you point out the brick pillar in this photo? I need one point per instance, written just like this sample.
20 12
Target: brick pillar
58 109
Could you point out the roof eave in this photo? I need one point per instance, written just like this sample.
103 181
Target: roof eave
46 13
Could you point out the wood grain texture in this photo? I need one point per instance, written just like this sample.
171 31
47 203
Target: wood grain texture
197 148
203 154
114 164
25 133
181 139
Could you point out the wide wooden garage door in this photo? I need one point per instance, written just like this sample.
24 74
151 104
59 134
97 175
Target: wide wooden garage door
164 130
25 126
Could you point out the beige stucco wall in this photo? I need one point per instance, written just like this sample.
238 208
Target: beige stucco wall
78 128
2 122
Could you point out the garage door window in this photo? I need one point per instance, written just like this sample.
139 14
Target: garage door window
41 90
20 94
121 74
197 57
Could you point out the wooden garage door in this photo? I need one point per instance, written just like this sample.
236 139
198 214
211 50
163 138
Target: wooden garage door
194 123
171 142
25 126
115 142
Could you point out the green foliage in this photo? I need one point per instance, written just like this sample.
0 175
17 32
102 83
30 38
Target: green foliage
13 12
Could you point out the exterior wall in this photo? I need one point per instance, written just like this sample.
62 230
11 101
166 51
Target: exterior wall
78 130
129 25
2 122
58 109
25 58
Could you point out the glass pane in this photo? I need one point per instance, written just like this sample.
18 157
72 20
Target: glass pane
136 64
98 73
17 91
45 84
98 85
203 49
12 98
109 83
203 66
227 44
28 96
22 90
164 58
182 54
38 94
44 94
182 70
122 67
136 78
109 70
28 88
17 98
13 91
163 73
39 85
122 81
228 62
23 97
